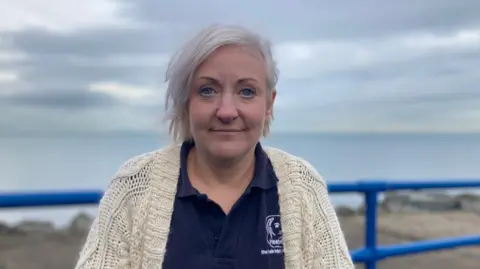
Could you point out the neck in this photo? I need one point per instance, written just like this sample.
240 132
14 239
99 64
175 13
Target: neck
213 171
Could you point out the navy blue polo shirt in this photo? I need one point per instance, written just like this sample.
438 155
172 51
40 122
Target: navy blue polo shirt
250 236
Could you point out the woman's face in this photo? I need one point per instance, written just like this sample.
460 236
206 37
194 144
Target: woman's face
228 102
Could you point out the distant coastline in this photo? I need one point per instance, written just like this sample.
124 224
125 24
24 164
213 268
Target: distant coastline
163 134
65 161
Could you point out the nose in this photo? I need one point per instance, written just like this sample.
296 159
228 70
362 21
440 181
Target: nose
227 108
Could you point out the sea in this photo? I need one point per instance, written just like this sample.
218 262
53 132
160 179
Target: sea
31 163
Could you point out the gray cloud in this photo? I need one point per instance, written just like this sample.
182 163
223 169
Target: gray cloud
402 87
312 19
451 98
99 43
64 99
51 69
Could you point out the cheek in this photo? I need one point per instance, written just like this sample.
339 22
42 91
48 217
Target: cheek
199 116
255 116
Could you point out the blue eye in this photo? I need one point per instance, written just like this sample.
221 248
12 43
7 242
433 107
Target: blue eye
206 91
247 92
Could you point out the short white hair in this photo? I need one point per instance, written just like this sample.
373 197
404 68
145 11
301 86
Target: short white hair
185 62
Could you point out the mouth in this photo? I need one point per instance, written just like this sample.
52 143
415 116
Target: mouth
226 130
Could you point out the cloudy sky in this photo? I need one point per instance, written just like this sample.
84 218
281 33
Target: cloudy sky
346 66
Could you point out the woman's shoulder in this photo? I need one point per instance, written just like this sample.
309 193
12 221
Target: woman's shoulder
163 158
135 179
294 167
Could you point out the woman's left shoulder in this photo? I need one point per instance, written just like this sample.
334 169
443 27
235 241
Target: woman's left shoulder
293 167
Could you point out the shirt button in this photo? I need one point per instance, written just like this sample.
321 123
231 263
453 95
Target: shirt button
216 238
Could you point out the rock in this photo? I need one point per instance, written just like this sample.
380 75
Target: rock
4 229
37 227
469 202
419 202
80 224
380 209
345 211
7 230
361 208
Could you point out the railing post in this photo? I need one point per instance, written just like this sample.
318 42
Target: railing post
371 226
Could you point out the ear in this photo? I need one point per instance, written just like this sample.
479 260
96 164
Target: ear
270 103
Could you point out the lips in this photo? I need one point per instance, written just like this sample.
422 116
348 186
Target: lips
227 130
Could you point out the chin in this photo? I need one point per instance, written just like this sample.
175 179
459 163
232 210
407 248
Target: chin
230 149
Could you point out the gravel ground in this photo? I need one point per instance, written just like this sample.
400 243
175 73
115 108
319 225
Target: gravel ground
59 251
405 228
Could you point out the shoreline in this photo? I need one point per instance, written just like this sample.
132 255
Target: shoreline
61 216
32 250
402 217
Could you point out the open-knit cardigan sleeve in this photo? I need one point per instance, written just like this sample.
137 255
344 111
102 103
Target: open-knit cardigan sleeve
106 245
312 234
109 242
331 251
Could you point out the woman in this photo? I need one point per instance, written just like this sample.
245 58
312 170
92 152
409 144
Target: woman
218 199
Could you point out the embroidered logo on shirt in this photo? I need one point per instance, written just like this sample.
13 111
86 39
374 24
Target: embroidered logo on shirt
274 234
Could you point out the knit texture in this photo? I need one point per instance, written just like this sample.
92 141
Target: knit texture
131 228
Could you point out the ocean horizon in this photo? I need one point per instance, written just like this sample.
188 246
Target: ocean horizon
70 162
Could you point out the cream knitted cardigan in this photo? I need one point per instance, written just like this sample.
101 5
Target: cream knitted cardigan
131 228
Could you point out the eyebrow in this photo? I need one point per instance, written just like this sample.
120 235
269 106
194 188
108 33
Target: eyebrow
215 81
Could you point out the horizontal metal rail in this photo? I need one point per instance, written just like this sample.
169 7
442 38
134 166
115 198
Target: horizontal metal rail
370 254
49 198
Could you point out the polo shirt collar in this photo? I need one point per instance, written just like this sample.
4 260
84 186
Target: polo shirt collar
263 176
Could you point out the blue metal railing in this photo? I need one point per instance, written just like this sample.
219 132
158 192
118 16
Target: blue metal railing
370 254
